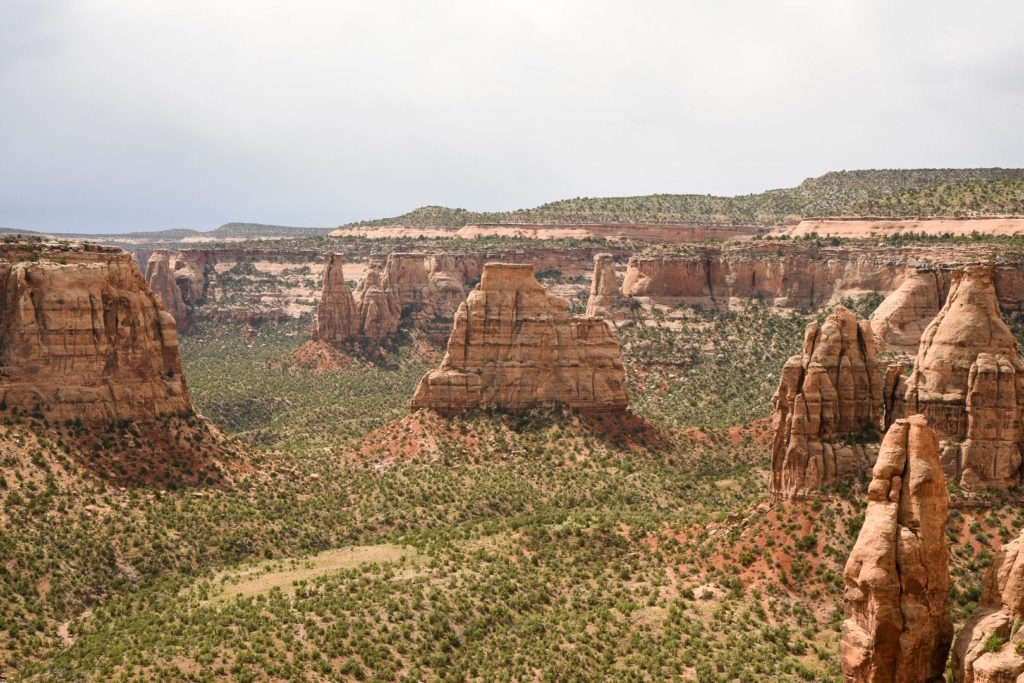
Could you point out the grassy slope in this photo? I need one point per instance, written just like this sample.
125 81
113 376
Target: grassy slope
829 194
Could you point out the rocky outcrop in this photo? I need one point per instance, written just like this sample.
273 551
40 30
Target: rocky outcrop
605 297
898 625
900 320
515 346
83 336
830 391
990 647
804 275
968 380
624 232
380 312
160 276
336 316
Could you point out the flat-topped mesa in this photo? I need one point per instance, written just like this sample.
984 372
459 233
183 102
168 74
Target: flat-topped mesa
989 647
515 346
968 380
160 276
605 296
336 316
901 319
898 624
83 336
830 391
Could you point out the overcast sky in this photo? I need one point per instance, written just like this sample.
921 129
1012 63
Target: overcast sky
147 114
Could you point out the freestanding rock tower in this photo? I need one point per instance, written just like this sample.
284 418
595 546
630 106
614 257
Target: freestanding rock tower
968 380
831 390
898 625
515 346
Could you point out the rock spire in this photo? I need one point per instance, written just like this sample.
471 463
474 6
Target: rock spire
831 390
898 625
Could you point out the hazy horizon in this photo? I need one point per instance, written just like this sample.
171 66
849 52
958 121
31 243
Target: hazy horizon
123 117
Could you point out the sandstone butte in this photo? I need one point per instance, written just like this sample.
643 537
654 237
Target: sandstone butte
968 380
901 318
898 625
989 648
515 346
83 336
829 391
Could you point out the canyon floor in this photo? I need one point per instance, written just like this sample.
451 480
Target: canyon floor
361 542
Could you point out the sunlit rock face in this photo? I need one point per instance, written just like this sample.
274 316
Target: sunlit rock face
829 391
898 624
82 335
515 346
968 380
902 317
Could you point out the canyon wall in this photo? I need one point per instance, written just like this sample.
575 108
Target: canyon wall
862 227
830 391
898 625
515 346
804 275
622 232
968 380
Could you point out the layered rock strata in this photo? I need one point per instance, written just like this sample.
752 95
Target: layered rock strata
968 379
901 318
515 346
830 391
379 311
83 336
804 275
990 647
898 625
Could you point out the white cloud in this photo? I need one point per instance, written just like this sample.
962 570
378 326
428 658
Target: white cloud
131 114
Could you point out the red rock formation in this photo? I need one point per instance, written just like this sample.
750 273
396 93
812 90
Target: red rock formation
160 276
379 311
515 346
829 391
336 317
605 297
804 275
900 320
898 625
83 336
968 380
990 647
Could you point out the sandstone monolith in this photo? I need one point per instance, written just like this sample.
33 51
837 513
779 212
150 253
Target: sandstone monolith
898 625
968 379
336 315
515 346
160 276
830 391
605 295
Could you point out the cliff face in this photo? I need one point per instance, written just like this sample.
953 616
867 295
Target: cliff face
796 275
898 625
968 380
85 337
900 320
515 346
829 391
1001 607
